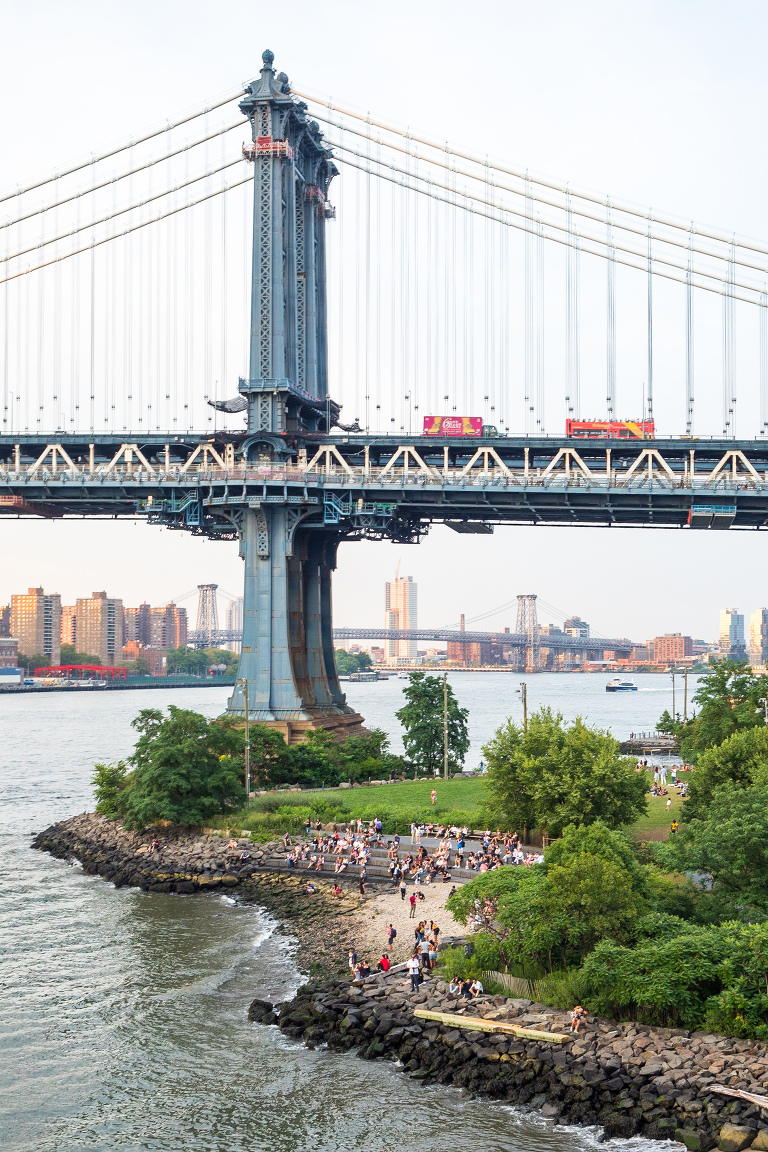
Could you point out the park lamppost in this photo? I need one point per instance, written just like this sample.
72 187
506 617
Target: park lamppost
247 747
445 725
522 692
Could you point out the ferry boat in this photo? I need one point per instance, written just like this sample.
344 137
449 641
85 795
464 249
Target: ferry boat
619 685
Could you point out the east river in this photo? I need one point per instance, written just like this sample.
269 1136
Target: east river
123 1013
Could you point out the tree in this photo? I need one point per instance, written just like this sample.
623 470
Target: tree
137 667
109 782
220 656
185 769
189 661
550 776
30 663
730 843
742 759
728 697
70 656
422 718
347 663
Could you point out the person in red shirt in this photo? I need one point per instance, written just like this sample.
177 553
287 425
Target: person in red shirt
413 903
383 964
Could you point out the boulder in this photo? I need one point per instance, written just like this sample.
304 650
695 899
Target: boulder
690 1137
760 1142
733 1137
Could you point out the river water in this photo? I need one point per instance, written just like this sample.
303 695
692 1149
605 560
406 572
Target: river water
123 1013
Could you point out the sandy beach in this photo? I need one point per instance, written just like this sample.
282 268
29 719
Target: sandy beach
370 923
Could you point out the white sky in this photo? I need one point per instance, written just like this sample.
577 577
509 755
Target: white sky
662 104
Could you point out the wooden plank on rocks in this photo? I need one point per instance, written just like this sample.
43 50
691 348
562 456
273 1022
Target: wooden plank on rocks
760 1101
478 1024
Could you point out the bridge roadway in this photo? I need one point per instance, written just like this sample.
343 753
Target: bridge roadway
502 639
386 487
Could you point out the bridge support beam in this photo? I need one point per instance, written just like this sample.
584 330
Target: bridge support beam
287 651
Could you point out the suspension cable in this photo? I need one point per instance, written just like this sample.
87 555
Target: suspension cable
575 210
96 159
597 251
549 224
133 228
45 243
555 186
129 172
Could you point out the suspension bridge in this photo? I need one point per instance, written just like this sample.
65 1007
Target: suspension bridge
442 292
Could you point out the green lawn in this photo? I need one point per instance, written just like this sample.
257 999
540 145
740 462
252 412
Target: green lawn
655 826
458 802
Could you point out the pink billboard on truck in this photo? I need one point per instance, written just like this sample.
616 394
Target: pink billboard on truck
453 426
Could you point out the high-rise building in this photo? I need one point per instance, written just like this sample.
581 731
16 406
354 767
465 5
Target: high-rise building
575 626
168 627
137 626
670 647
36 624
5 620
758 638
731 642
100 627
400 612
69 624
235 623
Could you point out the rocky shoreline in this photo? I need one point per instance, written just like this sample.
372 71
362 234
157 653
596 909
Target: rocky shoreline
629 1078
189 862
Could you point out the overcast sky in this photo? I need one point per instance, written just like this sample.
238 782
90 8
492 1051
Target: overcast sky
662 104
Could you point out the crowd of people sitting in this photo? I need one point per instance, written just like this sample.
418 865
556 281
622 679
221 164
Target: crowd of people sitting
413 862
661 772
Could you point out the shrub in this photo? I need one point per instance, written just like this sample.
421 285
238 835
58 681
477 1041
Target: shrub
109 782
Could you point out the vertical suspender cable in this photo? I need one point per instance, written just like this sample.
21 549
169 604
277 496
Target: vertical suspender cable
528 308
610 320
569 270
40 362
729 381
689 340
763 331
649 322
92 359
540 393
57 401
367 289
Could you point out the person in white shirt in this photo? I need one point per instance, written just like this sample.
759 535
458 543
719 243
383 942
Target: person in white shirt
475 988
414 969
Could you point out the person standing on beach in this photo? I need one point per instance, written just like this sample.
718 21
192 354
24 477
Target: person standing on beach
413 904
414 966
391 933
402 887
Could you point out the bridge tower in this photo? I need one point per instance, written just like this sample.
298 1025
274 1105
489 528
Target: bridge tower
207 611
528 626
287 653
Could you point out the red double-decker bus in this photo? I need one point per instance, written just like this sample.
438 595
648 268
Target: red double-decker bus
611 429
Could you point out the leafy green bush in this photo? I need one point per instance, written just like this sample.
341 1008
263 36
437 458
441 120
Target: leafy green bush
109 782
549 775
659 981
564 989
185 769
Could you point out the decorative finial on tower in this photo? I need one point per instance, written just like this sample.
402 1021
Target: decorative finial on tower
268 58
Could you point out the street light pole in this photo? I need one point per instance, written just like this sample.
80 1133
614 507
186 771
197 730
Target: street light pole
523 690
685 695
445 725
674 710
247 749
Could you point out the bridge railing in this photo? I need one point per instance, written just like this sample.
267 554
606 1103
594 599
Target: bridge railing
659 474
